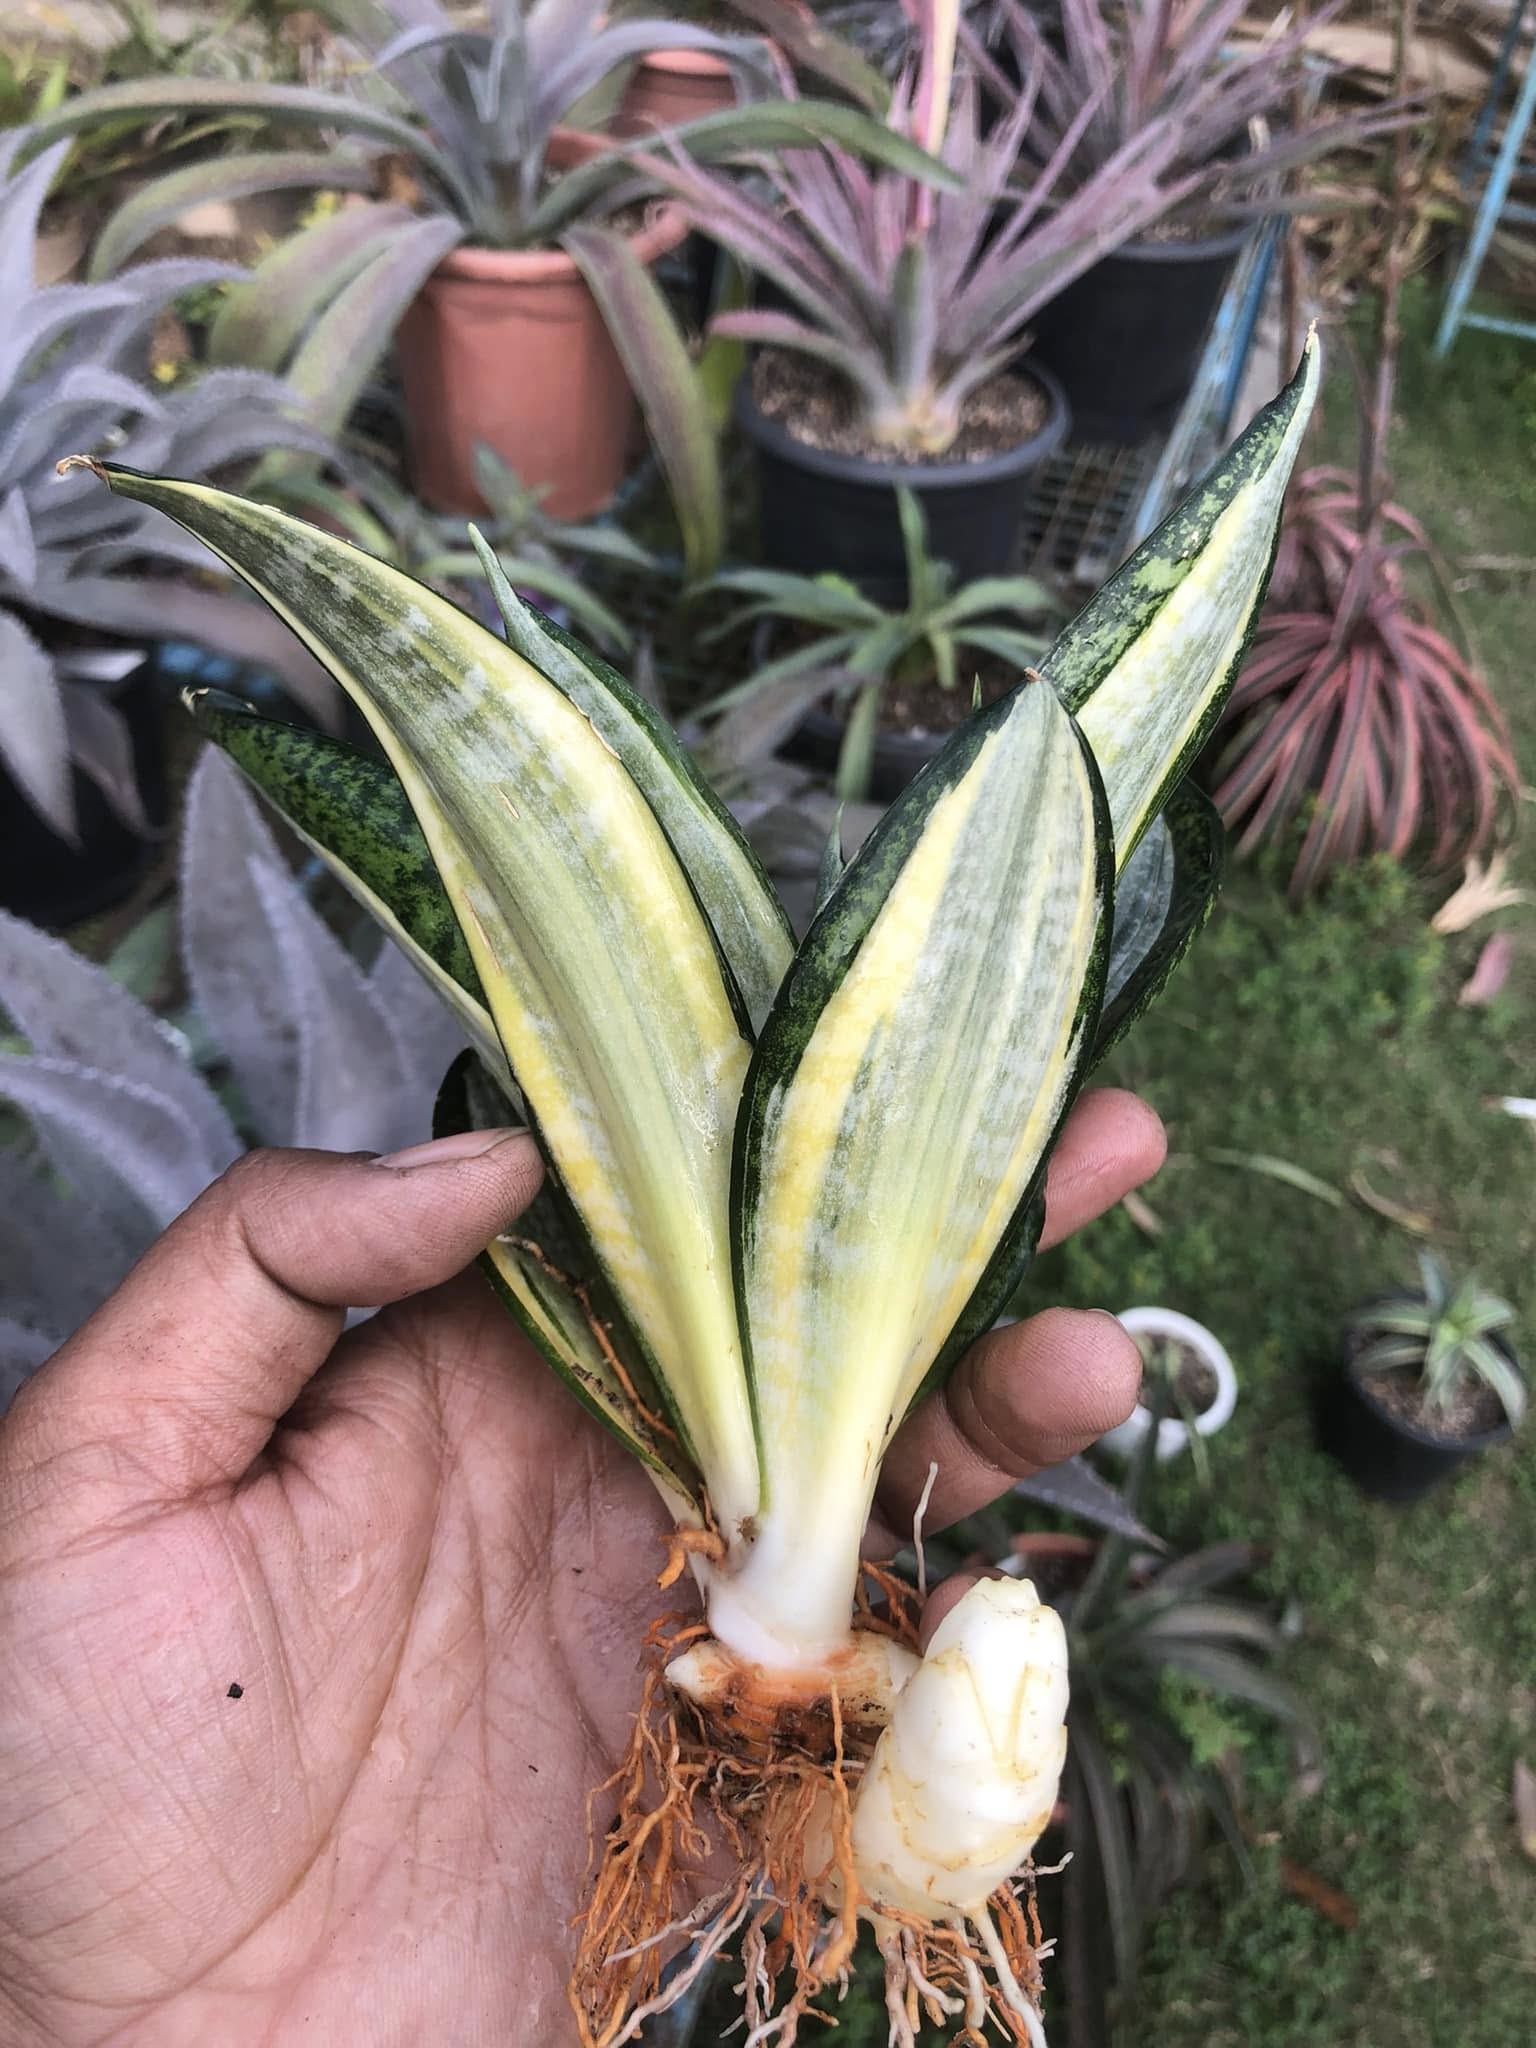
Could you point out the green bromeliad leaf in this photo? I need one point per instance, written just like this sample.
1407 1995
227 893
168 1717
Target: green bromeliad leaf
1147 664
610 995
354 813
903 1094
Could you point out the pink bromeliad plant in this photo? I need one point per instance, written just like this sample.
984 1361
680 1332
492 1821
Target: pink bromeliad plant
1354 702
913 294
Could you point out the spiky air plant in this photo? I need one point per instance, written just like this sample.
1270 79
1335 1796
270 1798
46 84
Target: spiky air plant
787 1186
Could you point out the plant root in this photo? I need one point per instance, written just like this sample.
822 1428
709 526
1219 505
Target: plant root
696 1798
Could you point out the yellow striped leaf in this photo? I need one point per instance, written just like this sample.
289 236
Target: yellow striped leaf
736 896
903 1096
1147 664
612 1000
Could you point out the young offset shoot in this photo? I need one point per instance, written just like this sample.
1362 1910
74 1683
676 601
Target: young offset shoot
787 1187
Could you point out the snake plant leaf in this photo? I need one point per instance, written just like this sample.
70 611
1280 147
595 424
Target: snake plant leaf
543 1270
740 902
354 813
1147 664
610 996
903 1095
1162 899
1143 893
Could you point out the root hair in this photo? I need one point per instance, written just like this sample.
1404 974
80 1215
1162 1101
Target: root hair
685 1793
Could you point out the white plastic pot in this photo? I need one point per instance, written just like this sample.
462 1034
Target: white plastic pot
1172 1432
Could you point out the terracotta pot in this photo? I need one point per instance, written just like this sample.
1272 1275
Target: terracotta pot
672 86
507 346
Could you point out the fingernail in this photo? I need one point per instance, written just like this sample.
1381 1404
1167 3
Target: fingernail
448 1151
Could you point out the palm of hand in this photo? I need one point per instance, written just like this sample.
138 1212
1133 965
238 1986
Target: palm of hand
426 1570
431 1590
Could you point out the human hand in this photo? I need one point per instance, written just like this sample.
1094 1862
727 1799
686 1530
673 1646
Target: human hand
427 1572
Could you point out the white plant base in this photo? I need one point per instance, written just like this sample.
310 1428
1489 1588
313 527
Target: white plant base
1173 1432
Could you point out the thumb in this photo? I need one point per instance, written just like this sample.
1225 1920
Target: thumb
177 1380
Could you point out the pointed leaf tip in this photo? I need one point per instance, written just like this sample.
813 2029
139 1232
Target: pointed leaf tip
1148 663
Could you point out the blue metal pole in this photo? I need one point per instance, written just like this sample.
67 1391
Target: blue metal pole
1488 211
1488 112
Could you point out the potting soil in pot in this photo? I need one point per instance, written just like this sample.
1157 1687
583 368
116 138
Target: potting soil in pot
812 403
1193 1378
1474 1409
827 492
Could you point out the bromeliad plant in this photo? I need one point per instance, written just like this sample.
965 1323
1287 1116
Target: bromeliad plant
476 113
1447 1336
857 649
913 297
787 1186
1104 78
1355 710
1355 713
473 110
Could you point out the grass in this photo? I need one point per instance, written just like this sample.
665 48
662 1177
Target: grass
1332 1038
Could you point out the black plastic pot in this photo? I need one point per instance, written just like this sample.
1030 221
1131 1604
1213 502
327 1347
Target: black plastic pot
45 879
1124 340
1385 1455
898 756
822 512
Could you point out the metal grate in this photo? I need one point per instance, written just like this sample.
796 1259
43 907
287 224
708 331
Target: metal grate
1093 505
1080 515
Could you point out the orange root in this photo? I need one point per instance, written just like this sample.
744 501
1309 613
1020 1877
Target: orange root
718 1844
685 1543
581 1294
